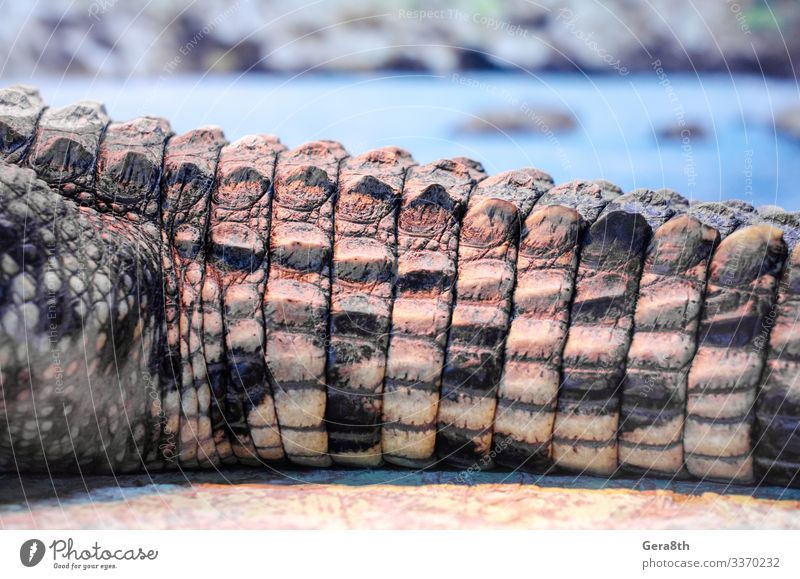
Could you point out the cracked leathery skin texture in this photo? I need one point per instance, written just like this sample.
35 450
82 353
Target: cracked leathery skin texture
663 345
190 162
727 368
601 318
777 451
487 257
362 281
528 390
233 293
20 109
724 217
129 163
81 305
177 301
588 198
434 200
128 185
297 299
549 250
64 152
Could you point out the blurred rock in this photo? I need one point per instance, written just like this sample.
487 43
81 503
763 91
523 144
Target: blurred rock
113 38
679 132
516 121
788 123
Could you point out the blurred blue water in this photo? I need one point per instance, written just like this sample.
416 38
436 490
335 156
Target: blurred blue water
618 119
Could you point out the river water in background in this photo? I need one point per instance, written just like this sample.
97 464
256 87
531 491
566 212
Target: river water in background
616 136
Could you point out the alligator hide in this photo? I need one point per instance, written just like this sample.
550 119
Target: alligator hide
178 301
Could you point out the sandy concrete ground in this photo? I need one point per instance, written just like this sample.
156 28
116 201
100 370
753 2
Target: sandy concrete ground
386 499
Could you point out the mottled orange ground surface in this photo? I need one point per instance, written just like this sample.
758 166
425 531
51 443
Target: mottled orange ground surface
387 500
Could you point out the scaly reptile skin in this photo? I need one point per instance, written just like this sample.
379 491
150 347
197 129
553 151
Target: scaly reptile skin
181 301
